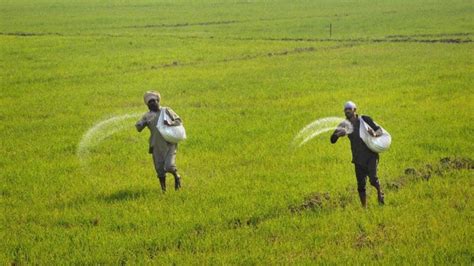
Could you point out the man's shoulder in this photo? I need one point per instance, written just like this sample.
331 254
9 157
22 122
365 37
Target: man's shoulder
170 112
366 118
149 114
166 108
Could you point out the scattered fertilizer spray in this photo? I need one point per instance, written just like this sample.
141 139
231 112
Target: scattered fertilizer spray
317 127
101 131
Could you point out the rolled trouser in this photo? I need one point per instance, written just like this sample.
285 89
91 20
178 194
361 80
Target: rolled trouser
164 159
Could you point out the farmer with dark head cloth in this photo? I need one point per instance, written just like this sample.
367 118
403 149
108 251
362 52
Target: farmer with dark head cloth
163 152
364 160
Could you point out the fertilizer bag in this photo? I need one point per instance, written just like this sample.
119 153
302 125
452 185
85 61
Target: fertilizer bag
173 134
375 144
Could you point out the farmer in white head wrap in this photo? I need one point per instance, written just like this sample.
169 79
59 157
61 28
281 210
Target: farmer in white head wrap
364 160
164 153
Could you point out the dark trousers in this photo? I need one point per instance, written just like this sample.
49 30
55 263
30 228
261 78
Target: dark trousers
369 169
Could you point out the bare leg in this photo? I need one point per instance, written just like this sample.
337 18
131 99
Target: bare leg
374 181
177 180
361 175
363 198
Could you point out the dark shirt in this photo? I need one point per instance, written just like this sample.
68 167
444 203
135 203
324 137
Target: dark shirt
361 154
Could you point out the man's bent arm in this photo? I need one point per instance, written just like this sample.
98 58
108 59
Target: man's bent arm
176 120
334 137
371 123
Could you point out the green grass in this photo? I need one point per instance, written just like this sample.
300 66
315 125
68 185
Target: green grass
245 77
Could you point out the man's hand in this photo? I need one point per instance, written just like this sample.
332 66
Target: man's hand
371 132
340 132
378 133
140 125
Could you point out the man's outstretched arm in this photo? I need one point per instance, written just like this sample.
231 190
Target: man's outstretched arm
141 124
335 136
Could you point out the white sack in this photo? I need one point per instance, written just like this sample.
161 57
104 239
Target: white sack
173 134
375 144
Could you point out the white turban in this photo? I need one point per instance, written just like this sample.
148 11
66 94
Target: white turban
350 105
151 95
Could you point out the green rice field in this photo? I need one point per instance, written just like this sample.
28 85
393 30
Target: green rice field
245 77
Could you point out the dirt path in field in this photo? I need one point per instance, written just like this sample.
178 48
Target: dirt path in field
320 201
443 38
185 24
31 34
221 22
387 40
298 50
451 38
323 200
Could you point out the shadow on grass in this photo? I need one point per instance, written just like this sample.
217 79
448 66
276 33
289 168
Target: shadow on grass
126 195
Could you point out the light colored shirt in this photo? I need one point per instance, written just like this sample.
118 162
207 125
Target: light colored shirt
150 119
